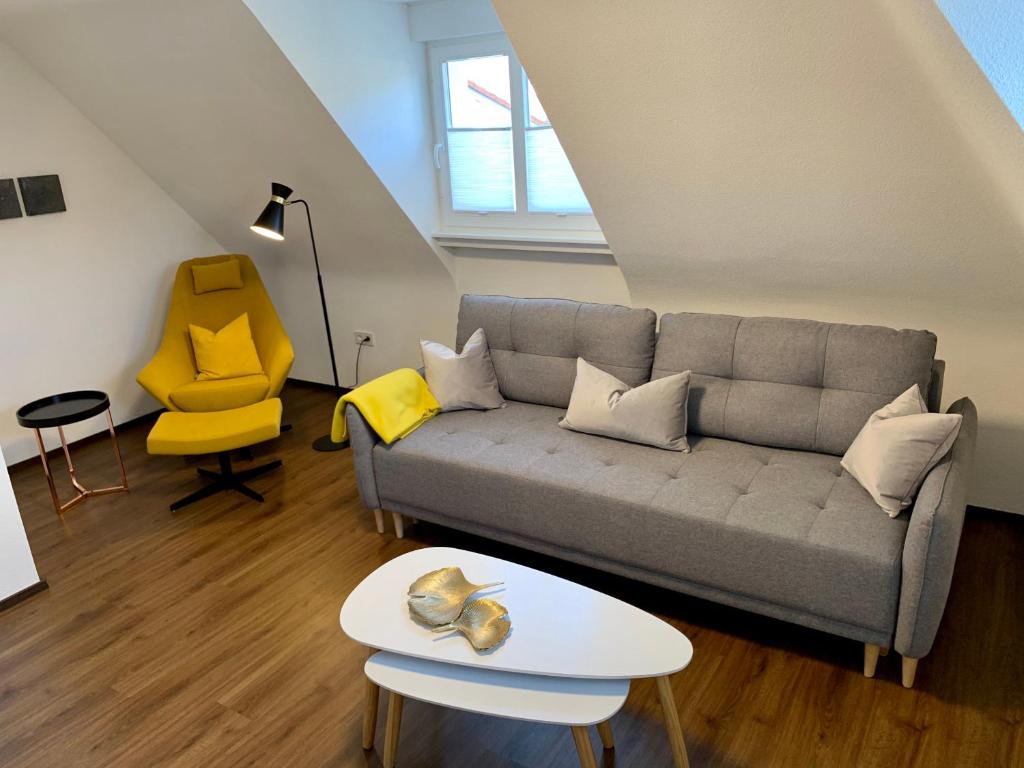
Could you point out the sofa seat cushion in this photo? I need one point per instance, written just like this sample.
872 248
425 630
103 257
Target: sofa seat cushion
787 527
221 394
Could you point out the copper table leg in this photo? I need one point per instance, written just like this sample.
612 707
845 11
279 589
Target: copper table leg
81 492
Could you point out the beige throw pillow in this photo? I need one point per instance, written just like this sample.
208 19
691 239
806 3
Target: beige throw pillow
653 413
896 449
462 381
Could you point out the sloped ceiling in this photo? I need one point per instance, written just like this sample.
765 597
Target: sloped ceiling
357 57
197 93
798 159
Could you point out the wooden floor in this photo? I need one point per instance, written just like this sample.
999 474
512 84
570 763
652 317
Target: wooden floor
210 638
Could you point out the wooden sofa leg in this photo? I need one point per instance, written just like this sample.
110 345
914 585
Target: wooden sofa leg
378 517
396 517
909 671
871 653
884 652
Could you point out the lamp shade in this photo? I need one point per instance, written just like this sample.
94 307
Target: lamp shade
271 222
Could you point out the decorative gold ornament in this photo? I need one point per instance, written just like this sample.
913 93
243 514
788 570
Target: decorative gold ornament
438 597
484 622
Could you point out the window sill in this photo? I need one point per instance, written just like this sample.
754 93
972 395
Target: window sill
552 242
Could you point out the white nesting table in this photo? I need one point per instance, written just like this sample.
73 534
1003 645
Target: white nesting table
563 631
566 701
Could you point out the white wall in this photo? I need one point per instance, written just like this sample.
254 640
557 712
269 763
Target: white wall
523 273
447 19
802 159
357 58
582 277
201 97
84 292
17 570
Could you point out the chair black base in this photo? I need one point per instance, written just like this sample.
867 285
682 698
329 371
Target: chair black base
226 480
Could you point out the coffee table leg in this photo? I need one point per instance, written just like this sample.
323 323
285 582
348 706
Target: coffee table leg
604 730
675 732
391 728
370 713
586 752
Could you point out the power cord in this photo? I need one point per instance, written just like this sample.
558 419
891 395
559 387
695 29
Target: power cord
359 353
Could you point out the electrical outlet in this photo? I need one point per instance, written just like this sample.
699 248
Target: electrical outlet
364 338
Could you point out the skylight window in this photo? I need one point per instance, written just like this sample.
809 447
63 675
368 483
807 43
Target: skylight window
499 161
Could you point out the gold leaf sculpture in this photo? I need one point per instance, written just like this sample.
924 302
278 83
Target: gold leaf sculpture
484 622
438 597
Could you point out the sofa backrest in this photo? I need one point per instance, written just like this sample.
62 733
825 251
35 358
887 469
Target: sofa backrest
535 342
789 383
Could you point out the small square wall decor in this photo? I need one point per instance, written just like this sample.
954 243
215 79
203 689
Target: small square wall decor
10 208
41 194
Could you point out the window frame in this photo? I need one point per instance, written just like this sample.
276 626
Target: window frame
522 219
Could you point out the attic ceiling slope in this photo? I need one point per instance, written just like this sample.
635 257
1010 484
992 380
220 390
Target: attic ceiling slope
199 95
359 60
786 146
980 89
792 158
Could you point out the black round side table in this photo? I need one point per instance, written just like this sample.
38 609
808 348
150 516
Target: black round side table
59 411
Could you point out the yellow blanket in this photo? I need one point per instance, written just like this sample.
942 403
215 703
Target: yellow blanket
393 405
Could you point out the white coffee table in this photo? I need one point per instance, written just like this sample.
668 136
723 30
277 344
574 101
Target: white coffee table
572 702
560 630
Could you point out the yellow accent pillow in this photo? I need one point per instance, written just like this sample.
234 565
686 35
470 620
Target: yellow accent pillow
218 276
228 353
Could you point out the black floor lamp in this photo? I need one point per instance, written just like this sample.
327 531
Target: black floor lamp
271 224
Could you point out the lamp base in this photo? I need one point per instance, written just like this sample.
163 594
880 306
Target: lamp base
326 444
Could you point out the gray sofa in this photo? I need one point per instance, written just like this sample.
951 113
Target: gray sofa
759 515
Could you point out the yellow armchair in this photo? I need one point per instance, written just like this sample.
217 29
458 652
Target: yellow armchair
171 375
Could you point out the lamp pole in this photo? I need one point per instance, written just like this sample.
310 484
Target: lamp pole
270 224
323 300
323 443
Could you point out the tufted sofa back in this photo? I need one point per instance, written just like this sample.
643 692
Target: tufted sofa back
789 383
535 342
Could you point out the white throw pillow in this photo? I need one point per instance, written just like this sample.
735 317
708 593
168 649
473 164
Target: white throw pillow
653 413
462 381
896 449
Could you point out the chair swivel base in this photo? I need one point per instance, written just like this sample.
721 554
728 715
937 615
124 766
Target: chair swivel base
226 480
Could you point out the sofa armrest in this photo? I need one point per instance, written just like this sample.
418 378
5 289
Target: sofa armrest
933 537
362 439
